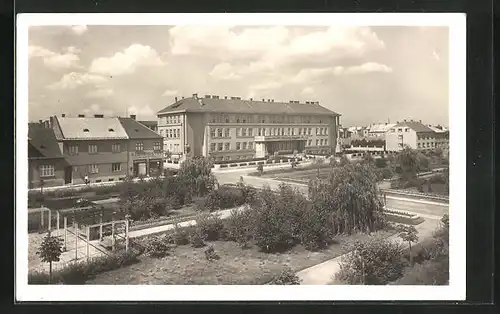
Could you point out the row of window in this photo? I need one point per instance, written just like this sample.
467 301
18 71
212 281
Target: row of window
49 170
227 146
171 133
174 148
115 148
424 145
244 132
170 120
222 118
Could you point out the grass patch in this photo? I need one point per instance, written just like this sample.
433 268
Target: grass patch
249 266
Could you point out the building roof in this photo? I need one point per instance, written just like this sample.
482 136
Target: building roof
415 126
245 106
42 142
91 128
136 130
437 129
381 127
149 124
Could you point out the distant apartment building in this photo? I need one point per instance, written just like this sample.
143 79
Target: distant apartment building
378 130
95 147
415 135
144 148
236 129
46 163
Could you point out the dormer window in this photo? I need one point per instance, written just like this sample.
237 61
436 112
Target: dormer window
86 130
136 130
111 130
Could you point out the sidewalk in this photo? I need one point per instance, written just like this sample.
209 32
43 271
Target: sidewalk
323 274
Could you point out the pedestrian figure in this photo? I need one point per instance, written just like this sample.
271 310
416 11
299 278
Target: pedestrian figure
86 179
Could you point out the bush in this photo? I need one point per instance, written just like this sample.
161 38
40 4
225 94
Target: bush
224 197
381 163
210 227
238 227
210 254
314 231
180 236
79 273
286 277
196 239
374 262
157 247
387 173
277 218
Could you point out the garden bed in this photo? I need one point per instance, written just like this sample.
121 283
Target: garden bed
188 265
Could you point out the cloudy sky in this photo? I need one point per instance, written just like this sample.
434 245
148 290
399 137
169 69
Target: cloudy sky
367 74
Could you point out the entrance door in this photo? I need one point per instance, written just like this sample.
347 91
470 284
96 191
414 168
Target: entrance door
68 175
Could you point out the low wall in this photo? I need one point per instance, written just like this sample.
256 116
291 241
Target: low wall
397 216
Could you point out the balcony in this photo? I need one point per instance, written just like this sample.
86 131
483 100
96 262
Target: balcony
276 138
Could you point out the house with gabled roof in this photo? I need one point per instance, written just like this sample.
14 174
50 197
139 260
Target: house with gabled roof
46 163
144 147
94 147
413 134
231 128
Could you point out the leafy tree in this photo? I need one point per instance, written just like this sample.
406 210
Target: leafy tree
50 250
381 162
286 277
408 161
408 234
376 261
197 175
351 194
423 163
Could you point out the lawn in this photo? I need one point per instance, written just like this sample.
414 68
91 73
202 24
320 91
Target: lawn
187 265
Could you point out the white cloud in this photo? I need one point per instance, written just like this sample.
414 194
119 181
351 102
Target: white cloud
224 71
100 93
96 109
127 61
274 45
170 92
141 111
73 80
368 67
307 91
79 29
55 60
72 49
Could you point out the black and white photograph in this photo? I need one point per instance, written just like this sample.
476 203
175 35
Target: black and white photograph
240 157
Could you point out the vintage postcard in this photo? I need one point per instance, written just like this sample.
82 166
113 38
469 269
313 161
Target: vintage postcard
240 157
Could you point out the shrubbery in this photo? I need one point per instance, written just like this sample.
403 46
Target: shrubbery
373 262
211 227
79 273
238 227
157 246
286 277
224 197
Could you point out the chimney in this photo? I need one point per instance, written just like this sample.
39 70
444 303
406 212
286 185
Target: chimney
98 116
291 101
63 115
263 99
208 96
251 99
40 121
404 120
175 99
269 100
195 96
81 116
420 121
133 116
182 97
225 97
215 97
272 100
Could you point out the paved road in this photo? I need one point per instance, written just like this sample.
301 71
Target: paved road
419 206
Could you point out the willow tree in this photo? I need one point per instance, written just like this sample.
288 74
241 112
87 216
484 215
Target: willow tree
409 162
351 196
